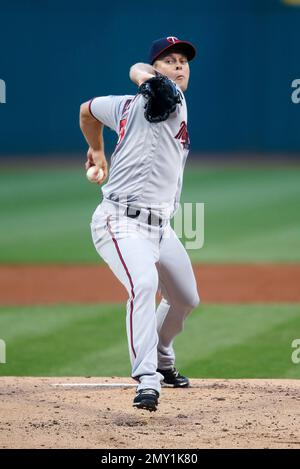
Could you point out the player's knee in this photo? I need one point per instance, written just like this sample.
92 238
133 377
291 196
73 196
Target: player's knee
196 301
191 302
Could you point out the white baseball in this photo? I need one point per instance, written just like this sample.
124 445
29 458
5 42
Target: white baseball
94 175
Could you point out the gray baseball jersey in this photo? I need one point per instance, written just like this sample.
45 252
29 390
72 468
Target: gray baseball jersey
147 165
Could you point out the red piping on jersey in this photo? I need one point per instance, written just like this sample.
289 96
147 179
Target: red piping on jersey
90 109
130 281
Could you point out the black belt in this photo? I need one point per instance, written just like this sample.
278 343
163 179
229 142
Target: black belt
152 219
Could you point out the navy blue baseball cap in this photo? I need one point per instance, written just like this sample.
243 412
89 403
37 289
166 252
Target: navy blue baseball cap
161 45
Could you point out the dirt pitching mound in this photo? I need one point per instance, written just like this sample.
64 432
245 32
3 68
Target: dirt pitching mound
41 413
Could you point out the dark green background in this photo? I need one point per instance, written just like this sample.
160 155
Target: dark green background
252 214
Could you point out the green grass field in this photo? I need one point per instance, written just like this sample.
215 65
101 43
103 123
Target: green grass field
240 341
251 214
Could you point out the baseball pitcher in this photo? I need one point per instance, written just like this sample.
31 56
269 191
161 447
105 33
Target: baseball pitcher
131 227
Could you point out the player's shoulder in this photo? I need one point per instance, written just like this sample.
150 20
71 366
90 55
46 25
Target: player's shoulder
121 97
123 100
114 98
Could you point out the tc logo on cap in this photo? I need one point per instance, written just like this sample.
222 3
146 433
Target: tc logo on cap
172 39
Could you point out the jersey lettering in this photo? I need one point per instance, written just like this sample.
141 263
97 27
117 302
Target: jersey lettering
123 121
183 136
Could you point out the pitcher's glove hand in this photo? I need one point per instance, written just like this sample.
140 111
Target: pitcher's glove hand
162 97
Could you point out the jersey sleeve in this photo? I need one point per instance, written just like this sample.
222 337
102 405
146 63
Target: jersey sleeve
107 109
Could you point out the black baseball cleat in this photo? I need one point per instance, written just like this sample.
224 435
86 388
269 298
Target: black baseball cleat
174 379
146 399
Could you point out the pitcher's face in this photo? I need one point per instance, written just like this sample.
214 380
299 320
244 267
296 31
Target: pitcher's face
176 67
